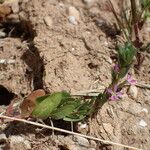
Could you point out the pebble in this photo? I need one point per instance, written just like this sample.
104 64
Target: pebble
81 141
133 91
7 61
142 123
72 20
3 137
48 21
2 34
145 110
82 125
87 1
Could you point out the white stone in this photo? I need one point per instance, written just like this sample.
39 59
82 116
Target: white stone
72 20
2 34
82 125
2 61
144 110
133 91
142 123
11 61
3 137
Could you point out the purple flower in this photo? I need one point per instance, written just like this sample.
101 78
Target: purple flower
116 68
130 80
115 95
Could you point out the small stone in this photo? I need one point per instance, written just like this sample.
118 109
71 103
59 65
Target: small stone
145 110
133 91
2 61
2 34
11 61
82 125
109 60
3 137
81 141
72 20
48 21
72 11
87 1
142 123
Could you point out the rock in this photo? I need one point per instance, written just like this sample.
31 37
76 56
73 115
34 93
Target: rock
2 34
81 141
72 20
142 123
133 91
87 1
19 143
48 21
72 11
3 141
82 125
145 110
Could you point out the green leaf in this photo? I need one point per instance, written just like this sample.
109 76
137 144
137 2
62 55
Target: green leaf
44 107
73 118
41 98
65 97
65 110
126 54
81 112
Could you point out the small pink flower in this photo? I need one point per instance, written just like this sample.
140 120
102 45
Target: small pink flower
130 80
116 68
115 95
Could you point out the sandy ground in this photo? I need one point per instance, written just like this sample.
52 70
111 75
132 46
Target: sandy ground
69 45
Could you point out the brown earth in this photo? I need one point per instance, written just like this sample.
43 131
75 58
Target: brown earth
42 48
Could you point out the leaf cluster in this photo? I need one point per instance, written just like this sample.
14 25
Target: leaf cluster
61 105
